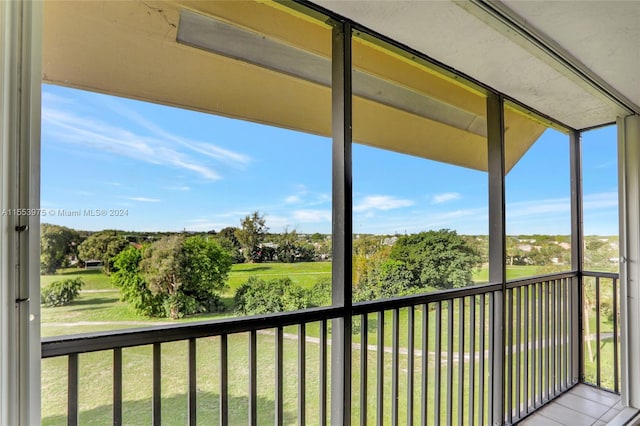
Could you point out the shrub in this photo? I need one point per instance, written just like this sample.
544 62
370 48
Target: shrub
60 293
320 293
257 296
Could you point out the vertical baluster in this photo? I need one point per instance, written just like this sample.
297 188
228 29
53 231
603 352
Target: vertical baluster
527 370
117 386
253 378
410 367
224 383
565 333
472 358
509 324
558 341
449 361
616 378
546 341
323 372
552 340
380 371
192 403
438 364
395 366
598 358
72 389
518 325
461 326
364 366
481 366
534 344
157 383
425 365
279 403
302 335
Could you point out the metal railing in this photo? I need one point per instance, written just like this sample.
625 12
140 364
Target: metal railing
601 328
425 359
539 350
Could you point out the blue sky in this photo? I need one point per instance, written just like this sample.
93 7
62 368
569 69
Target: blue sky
173 169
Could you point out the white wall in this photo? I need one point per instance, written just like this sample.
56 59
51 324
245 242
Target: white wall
629 184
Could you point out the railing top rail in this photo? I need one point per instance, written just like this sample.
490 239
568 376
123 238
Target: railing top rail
107 340
520 282
601 274
418 299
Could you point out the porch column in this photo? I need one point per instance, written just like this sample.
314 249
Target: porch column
497 254
629 205
20 53
342 225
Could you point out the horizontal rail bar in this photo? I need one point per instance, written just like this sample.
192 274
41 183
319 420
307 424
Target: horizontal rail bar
419 299
109 340
611 275
521 282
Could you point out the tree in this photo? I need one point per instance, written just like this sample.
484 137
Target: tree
57 245
187 273
133 288
250 235
440 259
103 246
291 249
257 296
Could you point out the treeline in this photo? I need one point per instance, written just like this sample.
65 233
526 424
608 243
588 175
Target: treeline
63 247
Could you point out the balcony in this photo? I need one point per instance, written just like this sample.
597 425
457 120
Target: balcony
437 358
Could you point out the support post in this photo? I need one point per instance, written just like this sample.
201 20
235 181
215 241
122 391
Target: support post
497 252
629 208
575 161
342 225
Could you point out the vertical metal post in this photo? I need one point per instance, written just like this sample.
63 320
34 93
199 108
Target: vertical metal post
342 224
157 385
224 381
73 383
575 160
193 389
497 271
279 393
253 378
302 374
117 386
364 366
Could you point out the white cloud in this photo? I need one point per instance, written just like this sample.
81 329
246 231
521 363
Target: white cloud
144 199
312 215
444 197
158 147
179 188
381 202
291 199
602 200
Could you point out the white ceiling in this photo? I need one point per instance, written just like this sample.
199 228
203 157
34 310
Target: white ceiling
598 38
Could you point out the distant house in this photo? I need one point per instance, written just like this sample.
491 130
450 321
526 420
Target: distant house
92 264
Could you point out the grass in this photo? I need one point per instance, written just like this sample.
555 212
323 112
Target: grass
104 305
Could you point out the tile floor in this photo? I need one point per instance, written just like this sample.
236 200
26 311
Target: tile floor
582 405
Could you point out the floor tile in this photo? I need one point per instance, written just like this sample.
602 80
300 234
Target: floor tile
582 405
610 414
597 395
539 420
567 416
